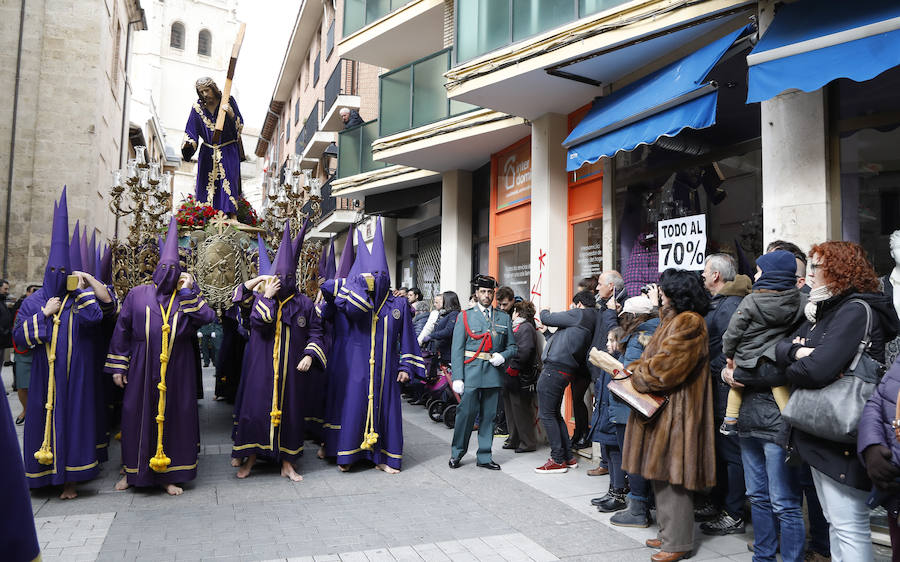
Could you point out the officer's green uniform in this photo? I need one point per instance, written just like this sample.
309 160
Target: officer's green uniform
482 381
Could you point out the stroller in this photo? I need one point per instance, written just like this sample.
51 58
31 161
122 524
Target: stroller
442 408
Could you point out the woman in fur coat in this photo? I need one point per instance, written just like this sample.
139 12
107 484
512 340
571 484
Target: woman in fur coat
675 451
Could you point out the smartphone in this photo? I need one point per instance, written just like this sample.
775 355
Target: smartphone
72 282
620 296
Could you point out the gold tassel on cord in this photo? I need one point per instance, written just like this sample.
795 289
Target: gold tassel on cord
44 455
275 414
161 462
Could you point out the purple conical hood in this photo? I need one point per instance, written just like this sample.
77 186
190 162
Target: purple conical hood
285 264
265 264
297 243
330 267
378 261
94 253
87 261
75 249
58 266
361 263
347 256
105 270
168 269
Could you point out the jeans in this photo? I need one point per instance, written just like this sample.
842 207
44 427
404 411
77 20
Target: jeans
612 454
579 386
818 525
551 388
776 501
848 517
639 489
730 489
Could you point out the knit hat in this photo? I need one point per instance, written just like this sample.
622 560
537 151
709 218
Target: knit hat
637 305
779 260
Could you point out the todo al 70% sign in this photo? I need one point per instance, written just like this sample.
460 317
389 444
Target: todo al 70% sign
682 243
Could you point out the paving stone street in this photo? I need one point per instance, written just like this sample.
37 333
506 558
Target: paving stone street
427 512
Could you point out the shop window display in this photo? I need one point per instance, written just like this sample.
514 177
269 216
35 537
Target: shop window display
515 267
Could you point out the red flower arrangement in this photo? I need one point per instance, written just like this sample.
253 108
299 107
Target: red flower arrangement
196 215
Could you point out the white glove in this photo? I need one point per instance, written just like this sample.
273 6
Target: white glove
200 335
213 335
458 387
497 360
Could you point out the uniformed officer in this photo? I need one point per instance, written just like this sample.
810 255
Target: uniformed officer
482 342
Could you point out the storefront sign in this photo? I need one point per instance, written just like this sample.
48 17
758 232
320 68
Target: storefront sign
682 243
514 176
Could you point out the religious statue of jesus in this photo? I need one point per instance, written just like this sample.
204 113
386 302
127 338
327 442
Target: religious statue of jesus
219 163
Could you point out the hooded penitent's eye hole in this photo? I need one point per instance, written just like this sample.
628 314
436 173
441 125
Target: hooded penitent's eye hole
52 270
163 266
62 270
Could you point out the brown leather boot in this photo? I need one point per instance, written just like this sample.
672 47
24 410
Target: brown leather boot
663 556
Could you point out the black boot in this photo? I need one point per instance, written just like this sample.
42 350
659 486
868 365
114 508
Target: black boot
613 501
637 515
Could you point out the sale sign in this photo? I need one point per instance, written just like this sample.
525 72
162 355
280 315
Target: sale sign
682 243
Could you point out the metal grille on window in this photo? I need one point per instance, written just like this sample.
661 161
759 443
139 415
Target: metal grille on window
428 267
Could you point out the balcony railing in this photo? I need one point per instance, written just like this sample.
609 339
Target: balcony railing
330 204
355 150
482 27
360 13
309 129
336 84
414 95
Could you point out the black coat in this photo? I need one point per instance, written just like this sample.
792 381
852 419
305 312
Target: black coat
722 307
839 327
442 335
604 321
525 360
568 349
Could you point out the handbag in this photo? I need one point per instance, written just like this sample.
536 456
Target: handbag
646 405
833 412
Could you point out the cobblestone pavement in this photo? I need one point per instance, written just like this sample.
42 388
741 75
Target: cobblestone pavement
427 512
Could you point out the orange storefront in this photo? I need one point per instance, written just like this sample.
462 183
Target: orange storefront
511 257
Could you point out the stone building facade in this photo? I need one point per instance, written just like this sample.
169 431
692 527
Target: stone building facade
68 58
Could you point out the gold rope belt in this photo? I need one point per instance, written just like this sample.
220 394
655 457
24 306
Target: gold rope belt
215 146
485 356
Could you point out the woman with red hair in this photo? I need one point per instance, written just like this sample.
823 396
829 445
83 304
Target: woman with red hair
838 273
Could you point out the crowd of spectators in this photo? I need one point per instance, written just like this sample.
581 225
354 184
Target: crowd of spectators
726 351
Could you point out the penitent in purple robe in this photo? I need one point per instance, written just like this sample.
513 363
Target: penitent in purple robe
368 328
301 336
135 352
73 431
18 539
219 166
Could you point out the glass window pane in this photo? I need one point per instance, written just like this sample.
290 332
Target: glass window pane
429 95
348 153
369 134
395 102
534 16
514 267
482 26
457 107
376 9
354 16
587 250
588 7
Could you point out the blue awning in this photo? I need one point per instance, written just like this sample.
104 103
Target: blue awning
662 104
812 42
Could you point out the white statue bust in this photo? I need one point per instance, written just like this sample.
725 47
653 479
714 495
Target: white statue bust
894 276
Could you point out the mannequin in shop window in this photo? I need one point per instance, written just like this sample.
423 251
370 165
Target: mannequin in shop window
891 283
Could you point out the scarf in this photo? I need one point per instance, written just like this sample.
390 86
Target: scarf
518 320
816 296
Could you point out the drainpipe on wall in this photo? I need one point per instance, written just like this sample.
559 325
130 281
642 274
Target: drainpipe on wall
12 143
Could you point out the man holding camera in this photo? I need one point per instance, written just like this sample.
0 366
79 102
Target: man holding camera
482 342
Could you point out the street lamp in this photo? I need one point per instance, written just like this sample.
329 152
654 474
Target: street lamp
331 159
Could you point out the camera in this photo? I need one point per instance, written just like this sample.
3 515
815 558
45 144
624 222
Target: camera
646 289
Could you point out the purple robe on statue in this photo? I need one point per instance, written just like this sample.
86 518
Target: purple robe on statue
134 352
219 166
73 433
18 539
301 336
369 326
